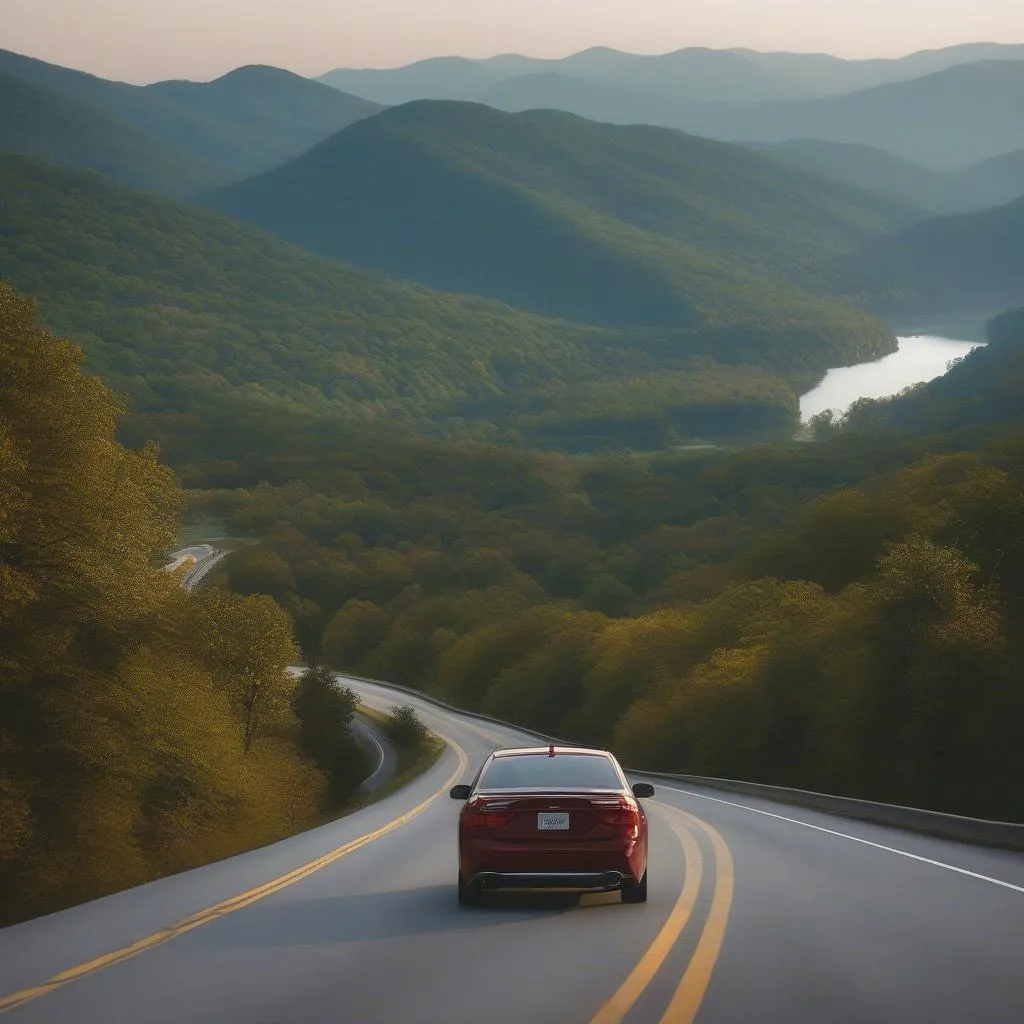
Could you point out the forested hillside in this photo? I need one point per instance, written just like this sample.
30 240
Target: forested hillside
131 743
182 308
38 122
207 133
596 223
842 616
948 262
266 115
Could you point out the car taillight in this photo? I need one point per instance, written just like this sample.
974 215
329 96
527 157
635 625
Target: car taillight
483 819
625 817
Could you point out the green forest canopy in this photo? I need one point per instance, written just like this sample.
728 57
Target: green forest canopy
181 307
172 137
593 222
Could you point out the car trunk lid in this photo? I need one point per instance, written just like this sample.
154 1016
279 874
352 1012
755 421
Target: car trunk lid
540 818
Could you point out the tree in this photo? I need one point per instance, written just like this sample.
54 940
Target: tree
404 727
606 593
258 570
250 640
353 632
325 710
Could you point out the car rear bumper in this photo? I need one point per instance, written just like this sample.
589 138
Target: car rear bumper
584 880
529 865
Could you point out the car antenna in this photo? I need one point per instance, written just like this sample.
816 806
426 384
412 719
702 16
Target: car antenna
551 750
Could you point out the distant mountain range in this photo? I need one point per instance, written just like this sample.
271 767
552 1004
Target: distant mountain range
691 75
943 108
989 182
622 253
945 120
172 136
627 226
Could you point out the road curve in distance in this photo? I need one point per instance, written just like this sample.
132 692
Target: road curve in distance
382 756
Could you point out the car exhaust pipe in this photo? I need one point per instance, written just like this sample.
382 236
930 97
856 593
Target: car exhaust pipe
612 878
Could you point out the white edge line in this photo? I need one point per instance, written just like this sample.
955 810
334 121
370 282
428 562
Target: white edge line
853 839
373 739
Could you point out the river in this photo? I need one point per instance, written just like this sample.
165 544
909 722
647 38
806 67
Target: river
919 358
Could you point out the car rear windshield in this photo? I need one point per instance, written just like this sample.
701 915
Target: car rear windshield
563 771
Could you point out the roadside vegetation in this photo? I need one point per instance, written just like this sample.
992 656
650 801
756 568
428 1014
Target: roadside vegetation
143 729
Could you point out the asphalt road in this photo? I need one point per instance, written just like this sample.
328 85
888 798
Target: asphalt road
757 912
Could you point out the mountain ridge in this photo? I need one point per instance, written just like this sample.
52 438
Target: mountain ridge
187 310
941 116
768 74
37 122
991 182
569 218
955 260
226 143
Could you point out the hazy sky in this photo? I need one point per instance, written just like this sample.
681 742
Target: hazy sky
145 40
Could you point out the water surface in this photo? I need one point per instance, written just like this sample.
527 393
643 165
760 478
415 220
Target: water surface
919 358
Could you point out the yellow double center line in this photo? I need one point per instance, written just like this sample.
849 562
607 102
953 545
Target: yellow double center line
228 906
689 993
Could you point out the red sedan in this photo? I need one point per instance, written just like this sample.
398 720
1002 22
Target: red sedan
552 817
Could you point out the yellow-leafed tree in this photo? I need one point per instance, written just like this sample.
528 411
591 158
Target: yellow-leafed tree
142 729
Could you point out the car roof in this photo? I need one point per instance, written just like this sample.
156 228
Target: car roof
515 751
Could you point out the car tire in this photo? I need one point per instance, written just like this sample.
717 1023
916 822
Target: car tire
469 895
635 892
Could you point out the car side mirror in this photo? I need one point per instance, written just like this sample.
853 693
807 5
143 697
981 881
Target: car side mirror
459 792
643 789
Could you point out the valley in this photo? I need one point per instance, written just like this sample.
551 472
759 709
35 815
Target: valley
505 377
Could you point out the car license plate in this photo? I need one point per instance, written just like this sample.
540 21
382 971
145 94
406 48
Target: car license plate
548 821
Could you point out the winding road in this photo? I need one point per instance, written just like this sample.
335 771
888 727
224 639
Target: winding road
757 912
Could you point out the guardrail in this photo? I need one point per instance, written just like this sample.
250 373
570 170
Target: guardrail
977 831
